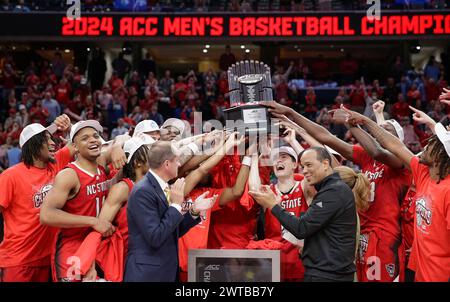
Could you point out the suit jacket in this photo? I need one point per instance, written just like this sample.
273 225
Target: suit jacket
153 231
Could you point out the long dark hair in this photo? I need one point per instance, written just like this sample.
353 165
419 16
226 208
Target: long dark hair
439 156
139 157
32 148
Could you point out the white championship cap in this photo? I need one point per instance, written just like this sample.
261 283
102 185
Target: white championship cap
148 140
145 126
33 129
84 124
283 149
443 136
398 128
174 122
131 146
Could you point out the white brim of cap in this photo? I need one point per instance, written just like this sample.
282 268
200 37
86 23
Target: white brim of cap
443 136
86 124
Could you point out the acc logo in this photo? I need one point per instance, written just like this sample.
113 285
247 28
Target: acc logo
212 267
39 196
423 214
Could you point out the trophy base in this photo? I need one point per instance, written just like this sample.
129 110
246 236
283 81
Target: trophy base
249 119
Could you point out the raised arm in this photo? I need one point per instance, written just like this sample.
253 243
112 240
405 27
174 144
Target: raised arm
289 137
196 160
378 109
386 140
315 130
235 192
195 176
374 149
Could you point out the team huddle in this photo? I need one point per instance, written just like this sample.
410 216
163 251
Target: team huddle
131 209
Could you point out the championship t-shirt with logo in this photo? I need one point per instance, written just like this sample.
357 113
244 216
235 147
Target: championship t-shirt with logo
293 202
430 255
386 186
22 193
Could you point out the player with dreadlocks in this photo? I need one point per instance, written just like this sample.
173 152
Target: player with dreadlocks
25 250
430 255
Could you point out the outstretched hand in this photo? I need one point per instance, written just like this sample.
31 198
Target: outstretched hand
202 203
421 117
277 109
353 117
265 197
445 96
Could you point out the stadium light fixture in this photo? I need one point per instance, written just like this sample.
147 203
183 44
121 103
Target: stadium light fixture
247 50
205 50
242 46
207 46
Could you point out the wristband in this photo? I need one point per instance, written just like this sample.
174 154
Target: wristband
247 161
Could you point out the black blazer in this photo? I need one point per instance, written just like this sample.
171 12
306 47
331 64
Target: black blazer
153 230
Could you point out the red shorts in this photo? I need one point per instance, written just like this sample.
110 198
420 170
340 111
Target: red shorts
378 257
65 266
36 271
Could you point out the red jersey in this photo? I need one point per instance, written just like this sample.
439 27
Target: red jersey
293 202
386 185
87 202
233 226
22 193
196 237
430 255
407 212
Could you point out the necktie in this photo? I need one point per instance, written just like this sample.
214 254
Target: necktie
167 194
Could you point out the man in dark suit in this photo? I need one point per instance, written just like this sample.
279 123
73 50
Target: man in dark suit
155 222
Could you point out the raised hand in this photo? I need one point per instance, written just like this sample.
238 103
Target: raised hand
378 107
118 157
353 117
289 135
421 117
277 109
202 203
445 96
339 116
62 123
265 197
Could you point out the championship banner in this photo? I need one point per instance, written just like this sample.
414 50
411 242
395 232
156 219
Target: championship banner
214 26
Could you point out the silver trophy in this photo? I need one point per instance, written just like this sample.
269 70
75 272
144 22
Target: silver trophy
249 82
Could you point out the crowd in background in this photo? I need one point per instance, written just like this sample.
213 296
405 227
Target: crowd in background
215 5
136 93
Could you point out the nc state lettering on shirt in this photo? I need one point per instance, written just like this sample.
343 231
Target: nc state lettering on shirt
97 188
291 203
